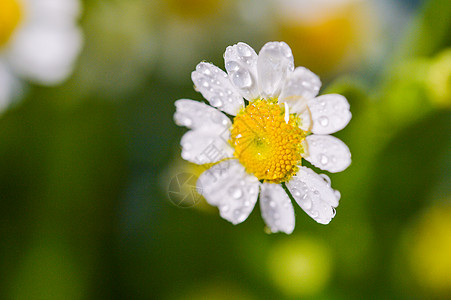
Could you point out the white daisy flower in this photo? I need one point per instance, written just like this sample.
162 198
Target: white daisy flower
258 153
39 41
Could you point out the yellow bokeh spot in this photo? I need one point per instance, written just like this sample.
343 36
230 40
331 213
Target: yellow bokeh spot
266 145
439 79
300 267
332 38
430 256
10 15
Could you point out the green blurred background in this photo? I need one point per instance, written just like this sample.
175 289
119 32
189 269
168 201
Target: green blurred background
85 167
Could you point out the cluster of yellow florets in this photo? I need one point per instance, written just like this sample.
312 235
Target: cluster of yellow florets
268 147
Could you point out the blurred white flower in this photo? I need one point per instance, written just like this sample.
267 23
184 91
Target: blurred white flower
260 152
39 41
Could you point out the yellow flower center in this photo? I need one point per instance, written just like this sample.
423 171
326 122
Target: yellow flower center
265 144
10 15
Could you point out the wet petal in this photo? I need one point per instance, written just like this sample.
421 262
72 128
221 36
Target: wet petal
205 146
330 113
241 65
314 194
198 115
276 207
214 84
300 86
274 61
306 120
328 153
228 186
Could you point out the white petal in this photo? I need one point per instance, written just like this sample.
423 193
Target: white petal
276 207
300 86
314 195
241 65
328 153
306 120
228 186
330 113
198 115
274 61
45 53
214 84
205 146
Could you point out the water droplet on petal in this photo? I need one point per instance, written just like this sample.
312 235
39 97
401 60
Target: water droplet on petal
235 192
272 204
306 203
324 121
244 51
242 78
337 194
296 193
323 159
232 66
216 102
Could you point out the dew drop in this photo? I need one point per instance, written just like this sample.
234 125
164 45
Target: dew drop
217 118
337 194
232 66
242 79
244 51
314 214
272 204
323 159
225 208
205 84
216 102
324 121
296 193
306 203
187 122
235 192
